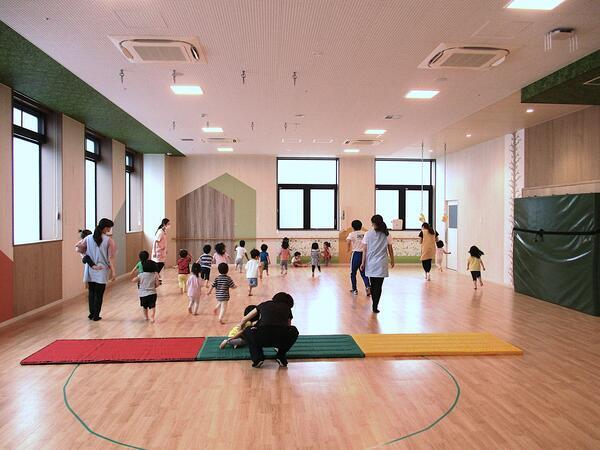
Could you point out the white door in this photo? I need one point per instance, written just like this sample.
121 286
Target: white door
452 238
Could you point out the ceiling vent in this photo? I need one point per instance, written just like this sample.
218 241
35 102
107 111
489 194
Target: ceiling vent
362 142
322 141
393 117
447 56
291 141
144 49
220 140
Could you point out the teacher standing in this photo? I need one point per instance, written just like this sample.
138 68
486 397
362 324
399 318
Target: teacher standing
159 246
377 244
101 249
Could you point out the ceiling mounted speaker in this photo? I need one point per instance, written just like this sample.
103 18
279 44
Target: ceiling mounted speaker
144 49
447 56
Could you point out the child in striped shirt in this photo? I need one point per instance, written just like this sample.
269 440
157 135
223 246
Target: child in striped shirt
205 262
221 285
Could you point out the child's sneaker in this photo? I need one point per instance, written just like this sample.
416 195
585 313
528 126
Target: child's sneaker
223 344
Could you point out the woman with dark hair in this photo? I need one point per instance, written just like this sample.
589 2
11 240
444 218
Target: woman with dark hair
159 246
428 237
377 244
274 329
101 249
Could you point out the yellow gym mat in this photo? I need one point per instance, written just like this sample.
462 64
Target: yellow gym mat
434 344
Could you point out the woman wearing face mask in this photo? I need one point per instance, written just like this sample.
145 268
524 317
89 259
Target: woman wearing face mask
101 249
159 246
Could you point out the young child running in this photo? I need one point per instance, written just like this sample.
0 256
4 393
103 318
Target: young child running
284 256
205 262
297 260
439 255
183 268
264 260
240 252
147 283
326 253
475 264
194 289
234 338
252 270
221 255
315 258
221 285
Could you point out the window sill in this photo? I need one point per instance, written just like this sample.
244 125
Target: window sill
47 241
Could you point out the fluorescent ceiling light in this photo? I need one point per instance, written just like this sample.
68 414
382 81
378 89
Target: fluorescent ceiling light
417 93
468 134
529 110
224 149
543 5
351 150
375 131
186 90
212 129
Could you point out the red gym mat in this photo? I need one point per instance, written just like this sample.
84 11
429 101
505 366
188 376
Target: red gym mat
88 351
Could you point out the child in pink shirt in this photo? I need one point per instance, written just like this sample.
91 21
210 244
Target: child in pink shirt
194 289
220 255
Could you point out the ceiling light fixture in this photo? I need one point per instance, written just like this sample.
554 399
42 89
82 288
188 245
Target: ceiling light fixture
179 89
529 110
468 135
541 5
372 131
212 129
421 94
224 149
351 150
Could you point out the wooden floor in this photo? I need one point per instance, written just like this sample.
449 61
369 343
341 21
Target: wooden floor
548 398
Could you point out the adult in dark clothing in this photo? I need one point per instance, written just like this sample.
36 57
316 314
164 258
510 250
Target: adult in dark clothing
273 329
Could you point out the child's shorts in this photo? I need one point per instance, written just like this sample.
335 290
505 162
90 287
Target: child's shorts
238 262
182 280
252 282
284 265
475 274
265 265
205 273
148 302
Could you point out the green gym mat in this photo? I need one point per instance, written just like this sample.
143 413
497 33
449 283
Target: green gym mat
306 347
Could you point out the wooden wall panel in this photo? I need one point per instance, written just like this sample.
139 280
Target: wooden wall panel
134 244
208 214
37 275
564 151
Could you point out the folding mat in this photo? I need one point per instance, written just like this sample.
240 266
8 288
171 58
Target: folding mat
85 351
434 344
306 347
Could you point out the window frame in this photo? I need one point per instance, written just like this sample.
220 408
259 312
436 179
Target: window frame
306 188
402 188
95 157
129 169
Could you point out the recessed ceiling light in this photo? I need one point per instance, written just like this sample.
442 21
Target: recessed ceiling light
430 150
169 154
421 94
543 5
291 141
224 149
351 150
322 141
468 135
370 131
529 110
186 90
212 129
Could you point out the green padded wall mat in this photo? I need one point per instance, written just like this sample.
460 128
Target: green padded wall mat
306 347
556 250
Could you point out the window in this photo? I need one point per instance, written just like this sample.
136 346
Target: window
129 169
398 193
92 156
307 194
28 137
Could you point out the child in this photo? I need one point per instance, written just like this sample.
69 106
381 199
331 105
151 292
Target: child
439 255
147 284
297 260
252 270
86 259
205 262
355 245
221 285
475 264
138 268
326 252
183 268
315 256
234 338
194 289
220 256
264 260
240 252
284 256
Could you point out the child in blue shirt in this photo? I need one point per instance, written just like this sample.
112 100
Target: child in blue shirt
264 259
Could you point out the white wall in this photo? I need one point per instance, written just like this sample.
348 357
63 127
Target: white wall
154 196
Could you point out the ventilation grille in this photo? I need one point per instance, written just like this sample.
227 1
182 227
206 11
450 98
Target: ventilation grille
322 141
220 140
362 142
155 50
464 57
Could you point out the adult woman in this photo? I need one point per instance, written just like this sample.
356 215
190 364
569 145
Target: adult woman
428 237
101 249
274 329
377 244
159 246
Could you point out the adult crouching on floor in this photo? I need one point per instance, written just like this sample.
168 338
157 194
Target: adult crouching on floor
273 329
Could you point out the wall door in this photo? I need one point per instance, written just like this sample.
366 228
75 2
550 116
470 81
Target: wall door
452 238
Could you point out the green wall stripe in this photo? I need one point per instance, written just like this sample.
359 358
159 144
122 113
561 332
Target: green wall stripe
30 71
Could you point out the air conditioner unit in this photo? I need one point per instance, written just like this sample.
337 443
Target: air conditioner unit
146 49
362 142
220 140
447 56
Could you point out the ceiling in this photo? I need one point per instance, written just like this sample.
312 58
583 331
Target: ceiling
355 60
